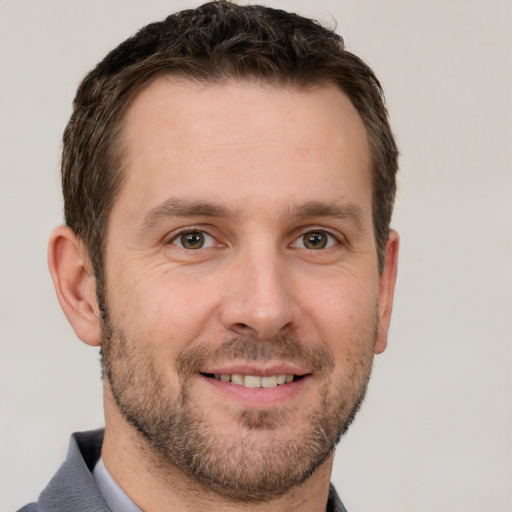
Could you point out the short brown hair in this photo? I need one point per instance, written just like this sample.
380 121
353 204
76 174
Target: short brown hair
215 42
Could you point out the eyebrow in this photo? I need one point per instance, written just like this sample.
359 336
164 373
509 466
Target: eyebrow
334 210
174 207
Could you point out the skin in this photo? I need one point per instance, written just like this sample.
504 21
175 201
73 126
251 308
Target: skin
262 156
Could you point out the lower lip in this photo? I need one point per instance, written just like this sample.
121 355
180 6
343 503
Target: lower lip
258 397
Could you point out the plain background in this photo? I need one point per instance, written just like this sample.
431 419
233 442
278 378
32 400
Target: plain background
435 432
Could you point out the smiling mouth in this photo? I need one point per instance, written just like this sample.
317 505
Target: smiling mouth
255 381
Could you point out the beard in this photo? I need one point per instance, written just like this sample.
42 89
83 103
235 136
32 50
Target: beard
260 464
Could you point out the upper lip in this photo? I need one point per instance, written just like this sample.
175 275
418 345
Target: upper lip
260 369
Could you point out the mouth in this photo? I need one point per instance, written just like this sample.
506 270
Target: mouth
255 381
257 386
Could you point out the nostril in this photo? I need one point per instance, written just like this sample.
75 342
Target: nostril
243 328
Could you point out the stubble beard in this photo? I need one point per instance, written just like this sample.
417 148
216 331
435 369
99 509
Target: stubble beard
259 465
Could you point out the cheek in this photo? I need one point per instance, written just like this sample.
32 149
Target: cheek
342 307
162 308
344 319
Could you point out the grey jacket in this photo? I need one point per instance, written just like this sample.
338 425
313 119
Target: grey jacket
73 488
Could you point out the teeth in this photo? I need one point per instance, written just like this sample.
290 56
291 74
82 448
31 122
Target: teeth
253 381
281 379
236 378
269 382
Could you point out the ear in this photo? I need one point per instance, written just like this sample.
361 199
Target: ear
75 284
387 282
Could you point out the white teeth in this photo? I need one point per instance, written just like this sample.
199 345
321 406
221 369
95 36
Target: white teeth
253 381
269 382
237 378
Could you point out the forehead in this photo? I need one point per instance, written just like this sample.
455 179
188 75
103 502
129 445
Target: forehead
243 139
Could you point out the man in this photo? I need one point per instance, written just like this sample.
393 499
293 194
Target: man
229 179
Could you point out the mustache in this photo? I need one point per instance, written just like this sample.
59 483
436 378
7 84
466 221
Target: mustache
286 348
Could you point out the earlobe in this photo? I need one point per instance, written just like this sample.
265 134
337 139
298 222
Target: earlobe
74 283
387 283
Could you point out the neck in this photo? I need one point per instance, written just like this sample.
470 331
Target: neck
155 485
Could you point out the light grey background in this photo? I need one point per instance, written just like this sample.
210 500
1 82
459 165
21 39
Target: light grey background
435 432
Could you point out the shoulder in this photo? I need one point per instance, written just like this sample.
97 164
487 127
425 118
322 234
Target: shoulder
31 507
73 487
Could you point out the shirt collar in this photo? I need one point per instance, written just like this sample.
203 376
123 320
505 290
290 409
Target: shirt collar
114 496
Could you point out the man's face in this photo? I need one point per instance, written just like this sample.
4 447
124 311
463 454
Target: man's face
242 280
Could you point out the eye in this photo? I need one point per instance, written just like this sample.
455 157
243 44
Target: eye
315 240
193 240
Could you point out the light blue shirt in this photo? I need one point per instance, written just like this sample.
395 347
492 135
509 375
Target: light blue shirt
115 497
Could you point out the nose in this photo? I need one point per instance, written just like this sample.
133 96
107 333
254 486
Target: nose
259 299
